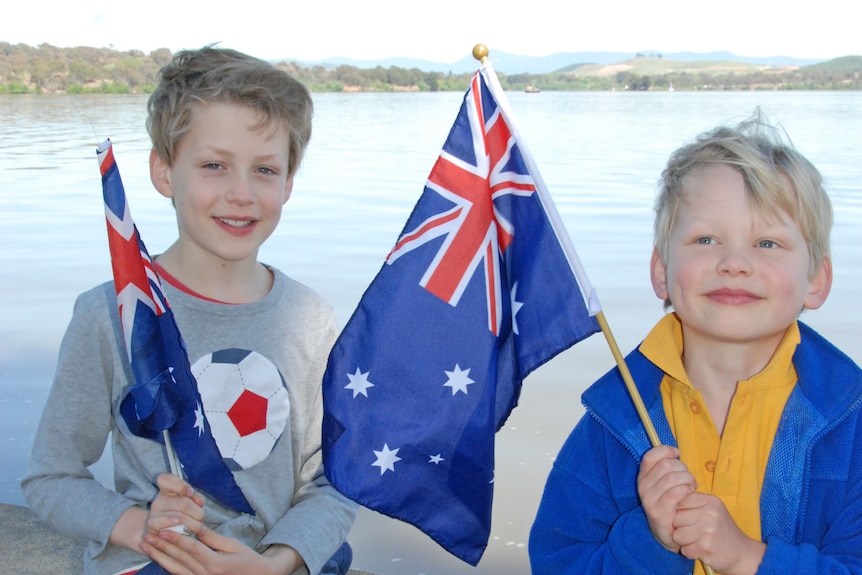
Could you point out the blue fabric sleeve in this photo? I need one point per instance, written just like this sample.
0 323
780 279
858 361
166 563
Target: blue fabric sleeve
590 520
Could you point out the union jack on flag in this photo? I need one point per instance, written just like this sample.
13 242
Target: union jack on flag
164 396
482 287
475 230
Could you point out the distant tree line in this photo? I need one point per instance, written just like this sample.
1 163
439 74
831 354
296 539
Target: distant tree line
48 69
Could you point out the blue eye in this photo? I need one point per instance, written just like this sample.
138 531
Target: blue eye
705 241
766 244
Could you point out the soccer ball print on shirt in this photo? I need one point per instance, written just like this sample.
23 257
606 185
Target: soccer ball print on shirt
246 404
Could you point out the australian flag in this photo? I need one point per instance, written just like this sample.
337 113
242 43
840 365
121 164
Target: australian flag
482 287
164 396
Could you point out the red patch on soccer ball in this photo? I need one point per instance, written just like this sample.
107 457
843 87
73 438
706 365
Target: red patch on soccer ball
248 413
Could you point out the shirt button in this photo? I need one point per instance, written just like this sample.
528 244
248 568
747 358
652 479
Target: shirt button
709 465
694 407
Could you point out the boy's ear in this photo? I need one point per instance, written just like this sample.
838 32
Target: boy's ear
160 175
658 276
288 187
819 285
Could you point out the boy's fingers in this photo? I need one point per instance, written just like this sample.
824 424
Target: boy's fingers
658 462
654 455
160 522
218 541
168 553
198 499
665 474
191 509
171 484
694 500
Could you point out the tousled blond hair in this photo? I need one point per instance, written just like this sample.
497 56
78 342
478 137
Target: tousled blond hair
196 78
761 154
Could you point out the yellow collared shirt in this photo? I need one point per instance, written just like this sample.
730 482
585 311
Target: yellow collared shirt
730 466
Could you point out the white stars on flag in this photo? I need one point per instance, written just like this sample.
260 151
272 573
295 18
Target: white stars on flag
386 459
458 379
199 419
359 383
516 307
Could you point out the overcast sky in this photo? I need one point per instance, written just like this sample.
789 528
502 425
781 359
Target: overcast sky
442 31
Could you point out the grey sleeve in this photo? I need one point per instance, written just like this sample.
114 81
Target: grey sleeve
74 429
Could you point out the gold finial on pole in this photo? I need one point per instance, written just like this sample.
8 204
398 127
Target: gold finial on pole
480 52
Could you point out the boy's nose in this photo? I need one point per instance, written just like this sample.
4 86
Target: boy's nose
734 262
240 191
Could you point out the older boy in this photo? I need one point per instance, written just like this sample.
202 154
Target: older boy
760 416
228 134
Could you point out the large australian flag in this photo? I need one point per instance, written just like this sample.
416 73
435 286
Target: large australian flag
482 287
163 402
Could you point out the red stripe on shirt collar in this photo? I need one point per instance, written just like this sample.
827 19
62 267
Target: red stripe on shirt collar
174 282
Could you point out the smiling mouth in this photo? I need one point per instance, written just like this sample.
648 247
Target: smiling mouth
236 223
733 296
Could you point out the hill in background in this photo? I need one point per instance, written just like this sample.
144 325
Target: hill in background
620 71
48 69
654 66
843 65
515 64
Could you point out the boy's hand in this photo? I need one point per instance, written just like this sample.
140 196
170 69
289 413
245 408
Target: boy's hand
663 482
704 529
177 504
214 554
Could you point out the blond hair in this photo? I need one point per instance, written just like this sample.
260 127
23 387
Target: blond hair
758 151
197 77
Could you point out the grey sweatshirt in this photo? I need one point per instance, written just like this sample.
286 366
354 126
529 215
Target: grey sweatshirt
288 333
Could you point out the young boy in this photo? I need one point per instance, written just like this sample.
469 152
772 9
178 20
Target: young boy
761 467
228 134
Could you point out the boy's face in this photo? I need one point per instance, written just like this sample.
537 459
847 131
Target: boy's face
228 183
734 275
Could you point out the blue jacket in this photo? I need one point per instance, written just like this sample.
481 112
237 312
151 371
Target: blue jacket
590 519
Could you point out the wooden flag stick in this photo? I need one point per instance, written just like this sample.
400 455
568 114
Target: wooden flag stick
176 469
627 378
635 394
173 460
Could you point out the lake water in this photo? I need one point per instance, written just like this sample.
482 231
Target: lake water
599 153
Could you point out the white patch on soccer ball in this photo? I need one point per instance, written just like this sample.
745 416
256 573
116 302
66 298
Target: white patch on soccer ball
246 404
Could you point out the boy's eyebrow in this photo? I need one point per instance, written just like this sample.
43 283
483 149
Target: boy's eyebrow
212 150
223 152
